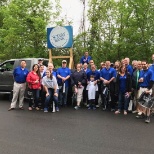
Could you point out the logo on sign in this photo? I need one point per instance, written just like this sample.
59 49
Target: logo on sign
59 37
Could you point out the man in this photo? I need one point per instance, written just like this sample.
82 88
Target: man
152 69
128 66
19 74
107 76
96 75
63 75
146 80
85 93
85 59
40 62
135 84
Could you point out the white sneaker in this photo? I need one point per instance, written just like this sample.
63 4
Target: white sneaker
88 105
97 106
134 111
139 113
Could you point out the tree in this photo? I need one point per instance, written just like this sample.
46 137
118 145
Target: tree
24 28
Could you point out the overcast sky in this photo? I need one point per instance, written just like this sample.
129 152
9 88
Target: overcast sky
73 10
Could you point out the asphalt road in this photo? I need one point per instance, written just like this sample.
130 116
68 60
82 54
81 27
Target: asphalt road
73 132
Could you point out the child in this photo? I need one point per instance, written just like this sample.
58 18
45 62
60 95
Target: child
91 93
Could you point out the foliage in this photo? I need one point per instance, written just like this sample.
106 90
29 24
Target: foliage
119 29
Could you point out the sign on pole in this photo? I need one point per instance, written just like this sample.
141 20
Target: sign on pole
60 37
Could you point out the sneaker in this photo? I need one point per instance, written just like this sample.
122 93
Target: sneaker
147 120
88 105
104 108
139 113
117 112
37 108
76 107
134 111
30 109
11 109
21 108
45 110
94 108
89 108
97 106
112 110
57 109
140 116
125 112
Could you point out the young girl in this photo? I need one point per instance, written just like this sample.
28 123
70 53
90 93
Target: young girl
91 93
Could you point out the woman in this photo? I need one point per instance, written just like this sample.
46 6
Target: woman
50 85
34 84
123 88
78 80
117 65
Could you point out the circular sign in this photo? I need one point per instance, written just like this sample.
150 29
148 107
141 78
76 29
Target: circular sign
59 37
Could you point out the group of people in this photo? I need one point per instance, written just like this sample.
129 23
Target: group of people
114 84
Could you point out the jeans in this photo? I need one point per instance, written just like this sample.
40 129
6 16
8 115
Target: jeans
123 98
63 97
36 95
51 97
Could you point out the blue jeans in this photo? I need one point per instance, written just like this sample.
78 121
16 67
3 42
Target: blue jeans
123 99
63 97
51 97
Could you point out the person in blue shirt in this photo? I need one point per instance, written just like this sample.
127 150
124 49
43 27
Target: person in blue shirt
86 58
152 69
146 81
63 75
123 89
107 76
96 75
19 74
128 66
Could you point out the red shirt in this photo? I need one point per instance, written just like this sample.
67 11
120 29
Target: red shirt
31 79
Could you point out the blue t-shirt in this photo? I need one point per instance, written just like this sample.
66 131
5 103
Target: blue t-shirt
129 69
85 60
96 74
63 72
122 85
20 74
107 74
147 76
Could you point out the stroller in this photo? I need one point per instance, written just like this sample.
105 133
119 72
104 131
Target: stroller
146 101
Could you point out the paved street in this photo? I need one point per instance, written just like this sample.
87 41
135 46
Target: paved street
72 132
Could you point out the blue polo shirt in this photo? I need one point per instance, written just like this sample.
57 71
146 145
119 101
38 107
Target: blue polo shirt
87 70
20 74
152 68
64 72
122 85
107 74
130 69
96 74
147 76
85 60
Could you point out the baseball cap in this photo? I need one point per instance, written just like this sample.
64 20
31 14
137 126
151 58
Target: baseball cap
64 61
